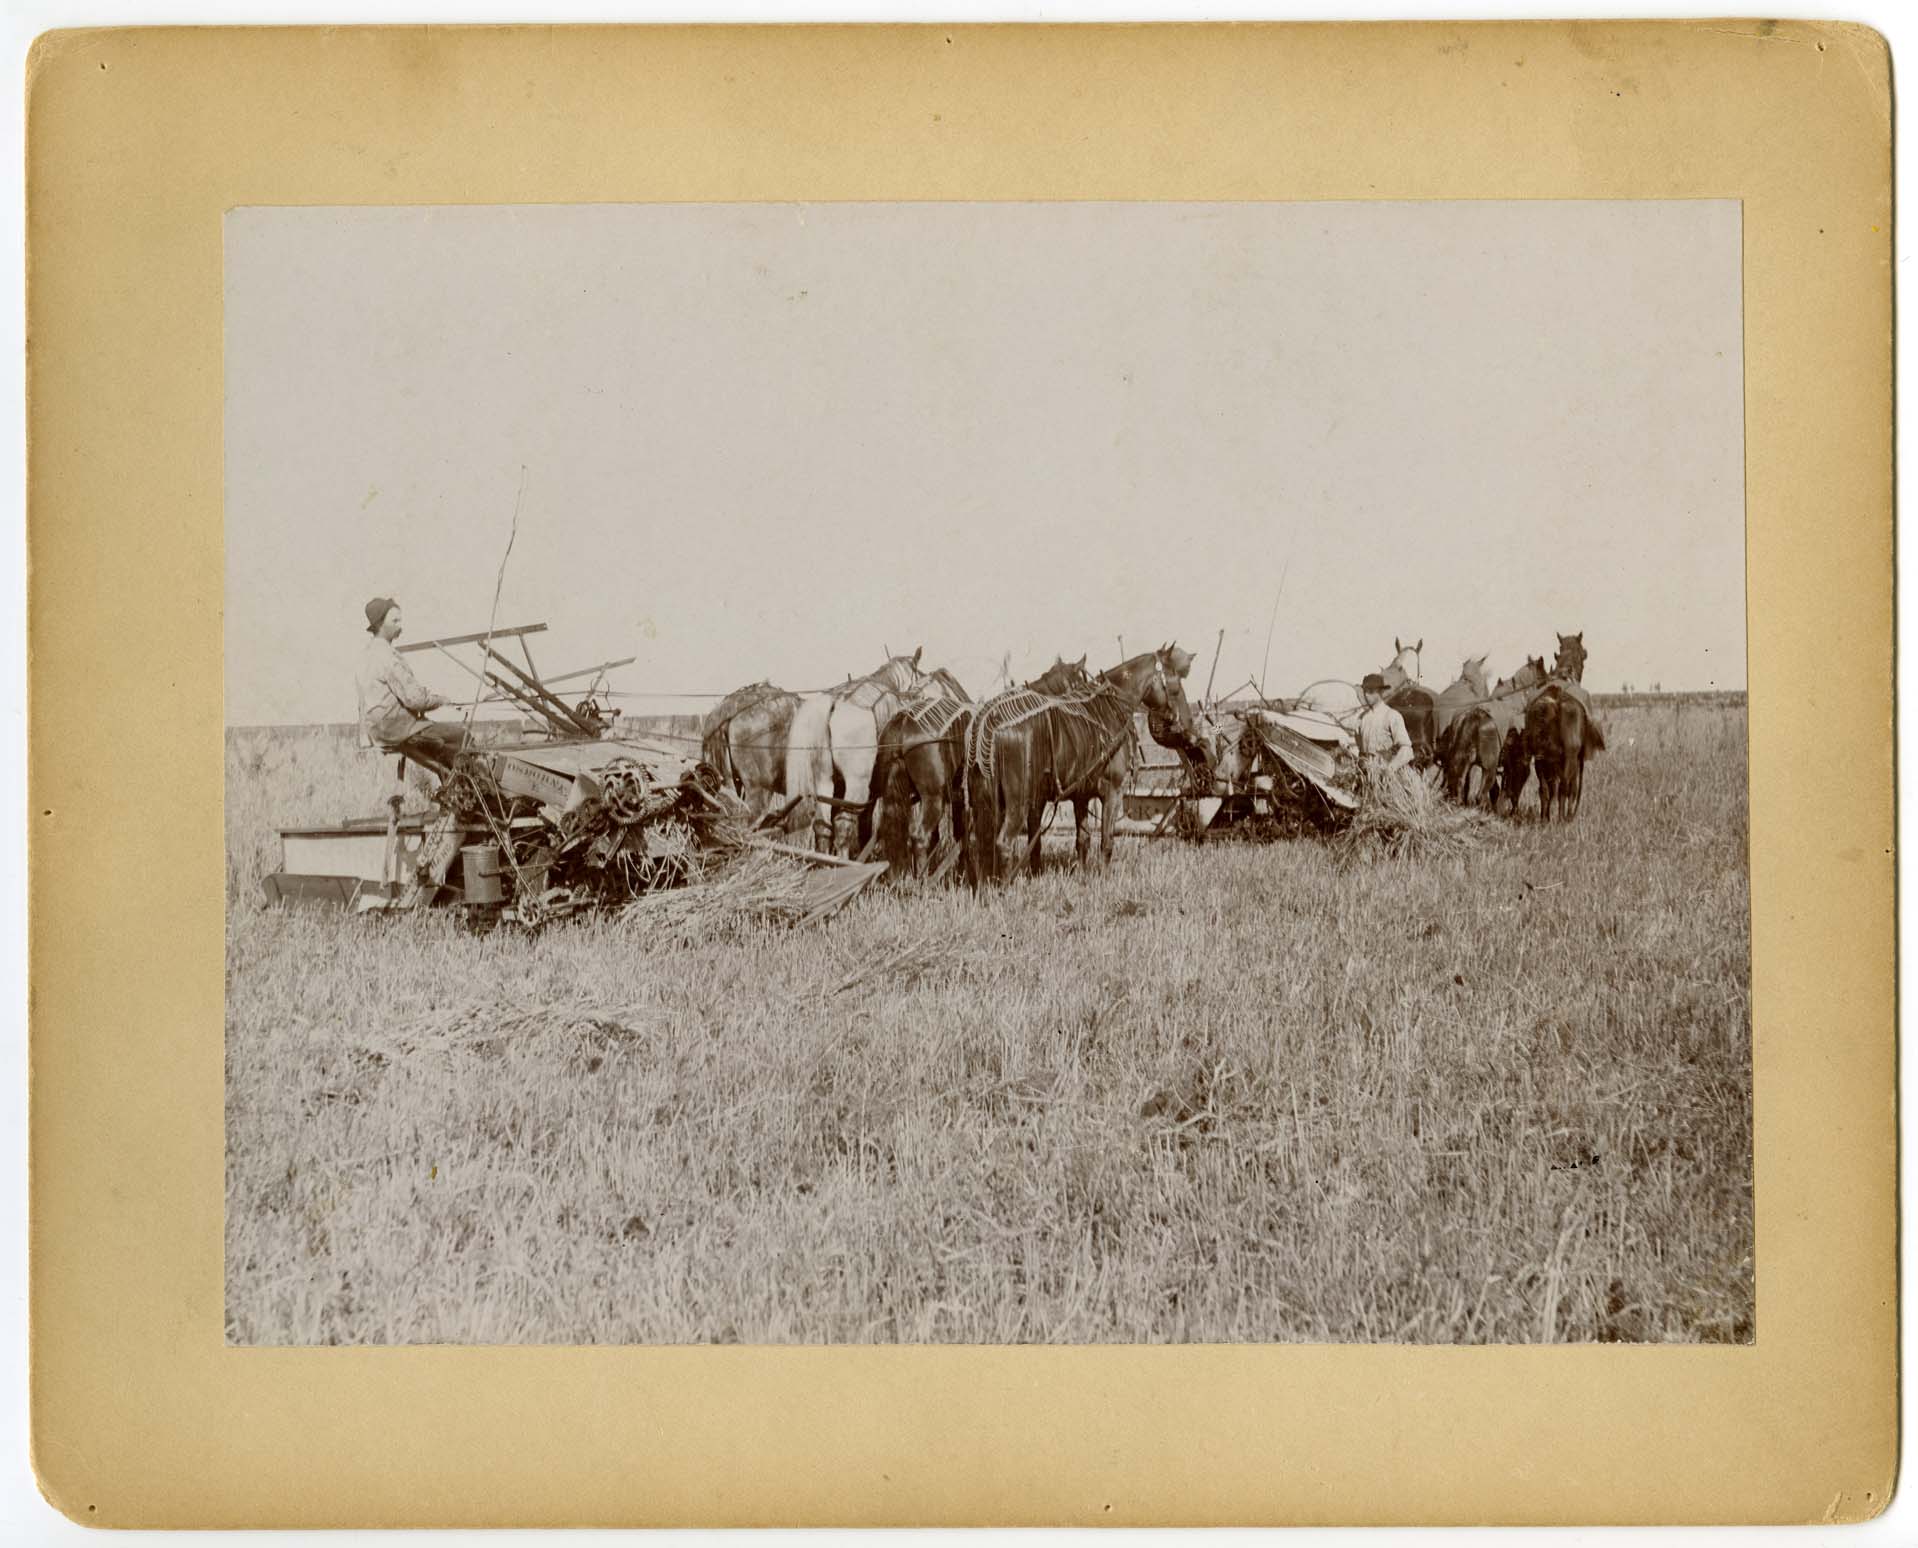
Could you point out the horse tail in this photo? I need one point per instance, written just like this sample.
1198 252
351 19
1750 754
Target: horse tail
892 788
716 747
1594 736
954 750
1486 756
884 752
982 822
809 764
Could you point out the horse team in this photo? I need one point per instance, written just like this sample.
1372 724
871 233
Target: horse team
1489 743
903 736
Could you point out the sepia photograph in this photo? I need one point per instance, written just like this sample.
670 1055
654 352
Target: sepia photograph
987 773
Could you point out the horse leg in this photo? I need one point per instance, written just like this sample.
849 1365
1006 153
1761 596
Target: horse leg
852 760
982 832
1012 815
961 812
1035 836
1013 857
1082 830
932 811
1111 808
809 772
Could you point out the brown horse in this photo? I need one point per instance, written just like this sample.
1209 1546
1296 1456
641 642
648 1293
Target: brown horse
1559 736
922 759
744 738
1477 742
919 762
1570 660
1470 745
1026 751
1417 705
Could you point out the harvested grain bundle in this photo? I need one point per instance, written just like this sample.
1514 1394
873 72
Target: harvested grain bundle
1406 816
723 821
749 887
757 886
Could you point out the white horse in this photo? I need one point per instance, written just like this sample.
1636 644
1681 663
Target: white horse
1403 668
836 733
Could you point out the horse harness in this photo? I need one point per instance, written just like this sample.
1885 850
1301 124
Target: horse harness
1016 706
758 694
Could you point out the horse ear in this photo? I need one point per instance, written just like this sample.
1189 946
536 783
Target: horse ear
1419 649
1397 649
1081 662
917 654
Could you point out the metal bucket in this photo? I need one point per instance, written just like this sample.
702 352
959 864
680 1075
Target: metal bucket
480 874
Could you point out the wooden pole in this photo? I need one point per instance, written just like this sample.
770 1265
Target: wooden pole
528 702
540 691
814 856
1270 623
1207 700
469 639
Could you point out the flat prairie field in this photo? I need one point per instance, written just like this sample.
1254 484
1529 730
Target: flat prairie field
1222 1092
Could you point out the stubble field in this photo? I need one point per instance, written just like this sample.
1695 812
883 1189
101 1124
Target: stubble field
1229 1092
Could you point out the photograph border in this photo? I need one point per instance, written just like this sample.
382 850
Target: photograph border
139 140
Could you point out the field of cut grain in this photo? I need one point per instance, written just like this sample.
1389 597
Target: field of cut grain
1219 1093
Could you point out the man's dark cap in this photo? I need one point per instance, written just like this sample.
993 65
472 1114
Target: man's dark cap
376 612
1373 683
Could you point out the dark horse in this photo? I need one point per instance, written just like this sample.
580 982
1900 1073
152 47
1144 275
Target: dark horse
1474 744
1025 751
1570 660
1417 705
922 758
1559 735
1471 746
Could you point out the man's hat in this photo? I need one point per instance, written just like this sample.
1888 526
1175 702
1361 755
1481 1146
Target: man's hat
1373 683
376 612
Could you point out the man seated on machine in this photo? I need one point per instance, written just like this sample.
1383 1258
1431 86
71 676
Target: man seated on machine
393 705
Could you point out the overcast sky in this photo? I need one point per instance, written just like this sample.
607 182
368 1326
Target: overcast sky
775 440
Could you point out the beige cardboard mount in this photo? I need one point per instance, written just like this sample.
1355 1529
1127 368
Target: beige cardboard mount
139 142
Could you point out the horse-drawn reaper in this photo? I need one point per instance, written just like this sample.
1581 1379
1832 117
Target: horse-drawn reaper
567 810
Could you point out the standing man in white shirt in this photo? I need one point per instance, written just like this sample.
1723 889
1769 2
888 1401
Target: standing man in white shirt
393 705
1385 746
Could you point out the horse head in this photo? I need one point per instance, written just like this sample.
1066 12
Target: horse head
941 684
1163 693
1062 677
1570 661
1222 746
902 674
1472 672
1530 675
1403 667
